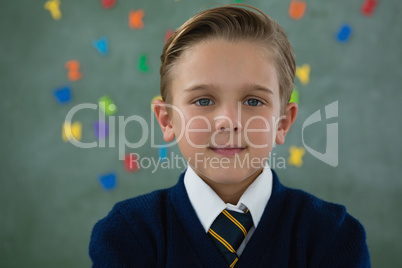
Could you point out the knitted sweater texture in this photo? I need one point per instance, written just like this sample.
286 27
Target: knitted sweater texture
161 229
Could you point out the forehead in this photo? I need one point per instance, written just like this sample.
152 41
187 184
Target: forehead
225 65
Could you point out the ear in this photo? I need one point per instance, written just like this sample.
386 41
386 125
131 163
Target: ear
286 122
164 120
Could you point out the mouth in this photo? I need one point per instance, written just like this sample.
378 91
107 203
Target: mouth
227 150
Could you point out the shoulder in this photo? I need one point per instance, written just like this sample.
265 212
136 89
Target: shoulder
298 203
316 208
143 206
329 230
319 215
147 209
133 225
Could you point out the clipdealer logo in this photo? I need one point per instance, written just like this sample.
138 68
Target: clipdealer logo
330 156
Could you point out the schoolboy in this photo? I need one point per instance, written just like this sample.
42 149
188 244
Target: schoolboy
226 79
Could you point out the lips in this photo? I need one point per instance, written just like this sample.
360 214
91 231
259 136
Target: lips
228 151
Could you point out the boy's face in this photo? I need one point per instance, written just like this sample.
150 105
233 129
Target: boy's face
226 109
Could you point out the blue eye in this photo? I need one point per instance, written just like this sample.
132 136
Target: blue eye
204 102
253 102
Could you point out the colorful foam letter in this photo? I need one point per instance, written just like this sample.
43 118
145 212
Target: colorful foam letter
108 4
168 34
101 45
159 97
108 181
297 9
344 33
54 7
295 96
101 129
63 94
71 131
135 19
131 163
303 73
142 64
73 67
369 6
163 153
107 105
296 156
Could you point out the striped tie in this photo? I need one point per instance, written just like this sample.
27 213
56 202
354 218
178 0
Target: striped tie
228 232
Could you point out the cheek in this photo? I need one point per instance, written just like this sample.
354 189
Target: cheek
197 131
259 131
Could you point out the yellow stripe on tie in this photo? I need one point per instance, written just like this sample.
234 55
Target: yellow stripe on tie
234 262
227 214
223 241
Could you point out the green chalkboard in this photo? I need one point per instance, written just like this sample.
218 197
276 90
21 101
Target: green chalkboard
50 192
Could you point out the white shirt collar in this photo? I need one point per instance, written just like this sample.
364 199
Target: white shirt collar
208 205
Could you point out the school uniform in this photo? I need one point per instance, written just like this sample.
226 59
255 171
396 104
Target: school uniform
169 228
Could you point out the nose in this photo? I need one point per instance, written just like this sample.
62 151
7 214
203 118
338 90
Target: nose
229 118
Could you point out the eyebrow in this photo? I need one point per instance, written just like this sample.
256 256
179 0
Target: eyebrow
200 87
248 87
260 88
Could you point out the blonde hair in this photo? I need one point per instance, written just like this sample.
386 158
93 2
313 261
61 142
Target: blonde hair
232 23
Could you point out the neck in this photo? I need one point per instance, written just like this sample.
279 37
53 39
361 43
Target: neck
231 193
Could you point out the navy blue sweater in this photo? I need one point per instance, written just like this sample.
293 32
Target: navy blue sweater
161 229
